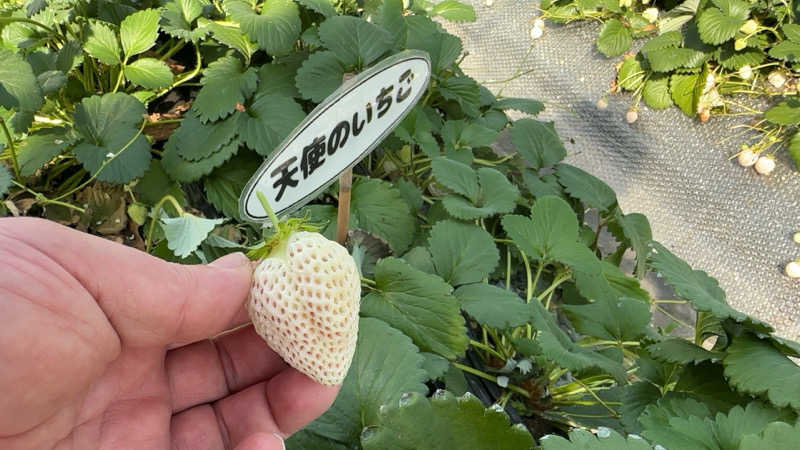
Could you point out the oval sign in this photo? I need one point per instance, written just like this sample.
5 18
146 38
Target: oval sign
337 134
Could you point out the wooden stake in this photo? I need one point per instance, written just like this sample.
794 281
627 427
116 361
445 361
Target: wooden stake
345 184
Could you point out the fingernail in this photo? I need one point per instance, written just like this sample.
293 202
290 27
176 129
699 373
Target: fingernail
231 261
280 438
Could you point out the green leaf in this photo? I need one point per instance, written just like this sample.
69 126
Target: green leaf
354 41
684 92
276 29
435 365
41 147
185 233
794 150
665 40
380 209
786 51
680 351
178 16
462 253
18 87
786 112
776 435
614 38
51 81
679 424
496 196
552 223
195 140
319 76
149 73
730 429
423 34
268 120
592 191
131 161
702 291
390 17
188 171
454 10
5 180
755 366
97 116
557 347
492 306
155 184
525 105
456 176
635 398
669 59
791 31
631 74
324 7
464 91
226 83
717 25
656 92
444 422
606 439
102 43
675 18
224 186
636 228
537 142
386 365
731 59
232 37
618 320
139 31
418 304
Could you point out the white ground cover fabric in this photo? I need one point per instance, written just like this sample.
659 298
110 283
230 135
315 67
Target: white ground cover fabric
718 216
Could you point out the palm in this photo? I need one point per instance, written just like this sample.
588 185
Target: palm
93 333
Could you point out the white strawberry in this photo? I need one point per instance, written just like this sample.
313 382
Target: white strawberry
305 299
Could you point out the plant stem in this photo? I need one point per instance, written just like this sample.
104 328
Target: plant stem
491 378
11 148
119 76
488 348
39 196
270 213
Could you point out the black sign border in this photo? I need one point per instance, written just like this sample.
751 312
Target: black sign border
354 83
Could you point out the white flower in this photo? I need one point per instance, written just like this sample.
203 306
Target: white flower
536 32
489 3
746 72
650 14
538 23
625 3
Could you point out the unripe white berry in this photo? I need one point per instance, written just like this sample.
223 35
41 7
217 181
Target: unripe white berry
796 238
631 116
746 72
747 158
602 103
538 23
793 269
765 165
650 14
776 79
536 32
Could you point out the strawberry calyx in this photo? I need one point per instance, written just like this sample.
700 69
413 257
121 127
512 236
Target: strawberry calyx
275 244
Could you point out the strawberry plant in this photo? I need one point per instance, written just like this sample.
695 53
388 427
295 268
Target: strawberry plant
704 57
490 314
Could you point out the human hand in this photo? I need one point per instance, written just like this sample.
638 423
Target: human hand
103 346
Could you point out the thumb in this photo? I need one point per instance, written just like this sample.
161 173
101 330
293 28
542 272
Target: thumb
147 300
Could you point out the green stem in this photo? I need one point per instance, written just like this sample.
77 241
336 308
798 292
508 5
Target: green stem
119 76
485 347
44 200
491 378
559 279
270 213
11 148
364 279
156 212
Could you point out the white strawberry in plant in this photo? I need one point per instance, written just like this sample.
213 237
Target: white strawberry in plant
305 298
765 165
793 269
747 157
